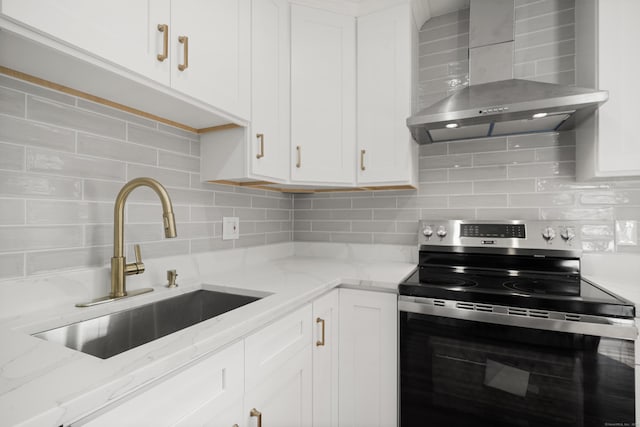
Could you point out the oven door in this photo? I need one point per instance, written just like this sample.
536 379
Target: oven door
456 372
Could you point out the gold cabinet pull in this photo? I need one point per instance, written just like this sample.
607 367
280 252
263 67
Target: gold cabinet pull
320 342
261 153
362 153
255 413
164 29
299 161
185 41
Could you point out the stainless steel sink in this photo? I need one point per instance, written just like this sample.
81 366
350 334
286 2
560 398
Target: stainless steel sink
115 333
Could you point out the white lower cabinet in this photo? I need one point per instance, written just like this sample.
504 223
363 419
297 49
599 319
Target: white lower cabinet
208 393
283 398
328 364
368 359
326 360
278 372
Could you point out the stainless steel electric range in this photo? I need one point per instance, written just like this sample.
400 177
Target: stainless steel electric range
498 328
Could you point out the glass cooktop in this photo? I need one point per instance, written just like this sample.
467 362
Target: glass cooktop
569 294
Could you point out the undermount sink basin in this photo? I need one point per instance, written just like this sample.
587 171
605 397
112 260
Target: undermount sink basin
118 332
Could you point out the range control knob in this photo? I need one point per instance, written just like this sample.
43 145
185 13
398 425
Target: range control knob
548 234
427 231
441 232
568 234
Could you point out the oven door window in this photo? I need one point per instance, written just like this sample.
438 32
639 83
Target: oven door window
464 373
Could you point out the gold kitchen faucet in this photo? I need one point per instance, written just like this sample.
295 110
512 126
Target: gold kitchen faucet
119 267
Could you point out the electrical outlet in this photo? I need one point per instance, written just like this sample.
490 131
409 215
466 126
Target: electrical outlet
627 233
230 228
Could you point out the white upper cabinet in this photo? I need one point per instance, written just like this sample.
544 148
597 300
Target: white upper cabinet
177 59
269 139
259 151
133 39
607 143
323 90
210 49
387 154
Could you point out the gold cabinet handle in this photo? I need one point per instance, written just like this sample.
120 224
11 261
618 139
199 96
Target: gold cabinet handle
299 161
320 342
255 413
164 29
362 153
185 41
261 153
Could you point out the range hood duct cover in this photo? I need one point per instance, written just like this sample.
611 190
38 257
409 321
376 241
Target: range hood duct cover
504 107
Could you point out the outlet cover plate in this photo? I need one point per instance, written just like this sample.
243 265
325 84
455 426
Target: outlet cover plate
230 228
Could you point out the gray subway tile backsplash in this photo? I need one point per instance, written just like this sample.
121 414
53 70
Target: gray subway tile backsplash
25 132
107 148
25 238
12 157
12 102
56 163
20 184
11 265
12 212
62 162
47 111
158 139
168 159
478 173
168 177
68 212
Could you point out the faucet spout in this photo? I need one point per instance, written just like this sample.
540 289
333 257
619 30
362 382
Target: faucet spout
119 267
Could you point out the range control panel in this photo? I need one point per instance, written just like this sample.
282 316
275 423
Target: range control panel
503 234
503 231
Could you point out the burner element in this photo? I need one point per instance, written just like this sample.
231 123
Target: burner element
446 281
544 287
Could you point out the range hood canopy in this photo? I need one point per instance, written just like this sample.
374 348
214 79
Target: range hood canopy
496 104
505 107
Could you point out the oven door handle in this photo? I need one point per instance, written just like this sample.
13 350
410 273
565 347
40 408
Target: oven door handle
587 325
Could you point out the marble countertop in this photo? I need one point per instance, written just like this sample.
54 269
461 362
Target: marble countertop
44 383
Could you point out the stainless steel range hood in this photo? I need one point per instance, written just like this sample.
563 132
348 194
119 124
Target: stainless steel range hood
495 104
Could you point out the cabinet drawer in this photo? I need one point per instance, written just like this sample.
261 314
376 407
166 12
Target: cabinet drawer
216 382
271 347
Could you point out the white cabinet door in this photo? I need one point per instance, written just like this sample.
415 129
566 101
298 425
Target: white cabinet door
322 96
368 359
217 55
325 360
284 398
206 393
278 373
269 138
124 32
607 144
387 154
213 415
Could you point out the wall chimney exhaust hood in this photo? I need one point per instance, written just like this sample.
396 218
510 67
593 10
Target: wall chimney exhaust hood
496 104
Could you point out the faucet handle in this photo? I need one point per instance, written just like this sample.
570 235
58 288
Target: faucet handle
136 249
135 267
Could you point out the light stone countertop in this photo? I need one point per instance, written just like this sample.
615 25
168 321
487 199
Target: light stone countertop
46 384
